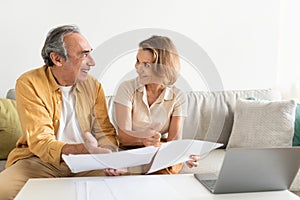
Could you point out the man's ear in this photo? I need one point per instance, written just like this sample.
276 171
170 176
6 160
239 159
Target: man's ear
56 59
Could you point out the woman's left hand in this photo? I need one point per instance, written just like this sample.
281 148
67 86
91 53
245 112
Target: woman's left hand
115 172
194 162
152 141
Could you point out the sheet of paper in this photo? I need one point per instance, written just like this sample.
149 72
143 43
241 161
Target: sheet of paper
178 151
81 188
93 190
146 188
115 160
126 187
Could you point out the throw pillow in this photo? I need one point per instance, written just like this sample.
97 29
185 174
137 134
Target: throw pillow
10 128
296 138
263 124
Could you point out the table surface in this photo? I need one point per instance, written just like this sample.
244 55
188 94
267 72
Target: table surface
184 184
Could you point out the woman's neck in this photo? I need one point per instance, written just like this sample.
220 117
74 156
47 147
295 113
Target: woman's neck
154 89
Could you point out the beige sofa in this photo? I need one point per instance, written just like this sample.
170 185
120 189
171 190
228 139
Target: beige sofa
211 117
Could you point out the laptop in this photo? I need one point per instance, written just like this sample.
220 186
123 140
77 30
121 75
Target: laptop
254 170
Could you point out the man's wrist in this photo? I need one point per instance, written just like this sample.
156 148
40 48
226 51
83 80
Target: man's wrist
110 147
74 149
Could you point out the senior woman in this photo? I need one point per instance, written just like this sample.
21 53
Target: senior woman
150 109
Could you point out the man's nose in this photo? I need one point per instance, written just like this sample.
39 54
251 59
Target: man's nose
91 61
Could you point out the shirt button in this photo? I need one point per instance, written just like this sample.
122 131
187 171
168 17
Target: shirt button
58 102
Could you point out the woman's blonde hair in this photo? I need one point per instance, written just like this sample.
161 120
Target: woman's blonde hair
166 59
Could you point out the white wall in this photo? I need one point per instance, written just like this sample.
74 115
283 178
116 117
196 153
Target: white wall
289 49
241 37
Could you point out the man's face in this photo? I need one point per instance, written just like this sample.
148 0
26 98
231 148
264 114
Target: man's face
80 61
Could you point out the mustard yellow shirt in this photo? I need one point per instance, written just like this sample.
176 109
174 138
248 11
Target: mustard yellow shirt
39 103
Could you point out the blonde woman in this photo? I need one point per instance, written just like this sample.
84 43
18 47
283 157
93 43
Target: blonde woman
150 109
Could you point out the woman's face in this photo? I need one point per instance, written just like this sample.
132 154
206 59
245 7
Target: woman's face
144 67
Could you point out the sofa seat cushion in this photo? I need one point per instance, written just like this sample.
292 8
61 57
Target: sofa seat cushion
209 163
10 127
296 183
2 165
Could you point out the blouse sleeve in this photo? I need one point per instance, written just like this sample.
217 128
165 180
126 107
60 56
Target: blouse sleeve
124 94
180 107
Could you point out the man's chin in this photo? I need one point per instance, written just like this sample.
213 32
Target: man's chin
82 77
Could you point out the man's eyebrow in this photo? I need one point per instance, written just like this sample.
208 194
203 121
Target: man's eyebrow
87 51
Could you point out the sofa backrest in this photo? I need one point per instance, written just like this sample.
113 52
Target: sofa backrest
210 114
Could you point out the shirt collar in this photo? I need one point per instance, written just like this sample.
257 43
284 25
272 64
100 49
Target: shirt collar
167 92
53 84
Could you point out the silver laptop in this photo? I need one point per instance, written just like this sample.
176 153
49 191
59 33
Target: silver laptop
254 170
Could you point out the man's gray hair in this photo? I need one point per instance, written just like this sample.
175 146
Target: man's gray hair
55 42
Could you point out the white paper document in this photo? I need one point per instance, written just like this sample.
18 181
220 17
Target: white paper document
178 151
115 160
88 190
125 187
170 153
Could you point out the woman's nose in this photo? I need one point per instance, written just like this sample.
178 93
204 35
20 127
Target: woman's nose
139 68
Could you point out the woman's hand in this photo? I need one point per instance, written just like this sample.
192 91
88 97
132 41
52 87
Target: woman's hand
153 140
194 162
115 172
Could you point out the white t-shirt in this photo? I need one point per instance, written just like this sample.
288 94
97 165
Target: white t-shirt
69 130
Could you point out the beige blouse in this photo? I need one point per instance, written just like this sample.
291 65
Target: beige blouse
171 102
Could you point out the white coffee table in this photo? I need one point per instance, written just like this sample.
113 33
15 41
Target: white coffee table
184 185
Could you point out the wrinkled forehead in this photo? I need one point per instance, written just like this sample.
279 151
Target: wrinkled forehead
76 41
145 55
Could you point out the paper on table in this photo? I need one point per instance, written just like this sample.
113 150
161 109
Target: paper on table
93 190
81 188
178 151
115 160
127 187
146 188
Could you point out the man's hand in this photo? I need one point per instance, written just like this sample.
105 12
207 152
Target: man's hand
91 144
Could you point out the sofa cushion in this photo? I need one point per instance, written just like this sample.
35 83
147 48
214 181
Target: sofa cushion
263 124
209 163
296 183
2 165
210 114
11 94
10 128
296 138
